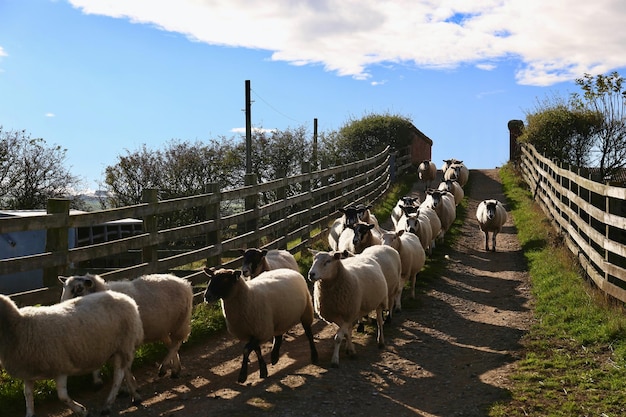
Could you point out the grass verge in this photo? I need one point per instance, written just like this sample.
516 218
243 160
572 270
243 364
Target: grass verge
575 353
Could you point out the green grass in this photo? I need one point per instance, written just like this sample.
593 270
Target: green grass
575 354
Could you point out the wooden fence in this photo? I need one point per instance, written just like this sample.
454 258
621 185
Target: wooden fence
300 211
590 216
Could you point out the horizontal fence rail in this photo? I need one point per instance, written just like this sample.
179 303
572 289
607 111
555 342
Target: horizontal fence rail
297 213
590 216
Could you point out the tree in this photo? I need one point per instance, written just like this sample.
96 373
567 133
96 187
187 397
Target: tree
562 130
362 138
606 95
31 172
181 169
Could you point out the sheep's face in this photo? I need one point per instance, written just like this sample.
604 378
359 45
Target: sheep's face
351 214
76 286
361 232
252 262
409 201
490 209
324 265
221 283
412 223
392 239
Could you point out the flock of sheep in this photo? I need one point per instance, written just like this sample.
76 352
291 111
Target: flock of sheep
365 270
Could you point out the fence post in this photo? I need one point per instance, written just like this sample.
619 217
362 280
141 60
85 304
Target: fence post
392 165
57 240
213 212
252 203
306 217
149 253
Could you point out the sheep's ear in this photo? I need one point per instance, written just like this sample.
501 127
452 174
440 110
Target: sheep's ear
338 255
237 273
88 282
264 252
62 279
370 226
400 233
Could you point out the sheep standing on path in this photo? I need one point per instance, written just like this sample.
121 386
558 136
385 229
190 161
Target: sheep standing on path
165 305
261 309
412 257
427 172
443 204
491 216
346 290
256 261
457 172
397 212
71 338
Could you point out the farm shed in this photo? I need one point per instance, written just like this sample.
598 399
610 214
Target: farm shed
18 244
421 146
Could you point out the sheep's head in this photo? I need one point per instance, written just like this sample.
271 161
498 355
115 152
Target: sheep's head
221 283
77 286
324 265
252 261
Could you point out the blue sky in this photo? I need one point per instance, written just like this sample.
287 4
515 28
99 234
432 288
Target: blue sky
102 77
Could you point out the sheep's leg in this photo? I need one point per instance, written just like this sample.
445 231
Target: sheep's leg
486 241
262 365
309 335
278 341
243 372
29 386
413 279
171 360
350 350
118 378
398 304
493 241
131 384
61 383
379 323
334 362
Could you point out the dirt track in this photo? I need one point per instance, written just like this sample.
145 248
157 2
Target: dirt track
448 353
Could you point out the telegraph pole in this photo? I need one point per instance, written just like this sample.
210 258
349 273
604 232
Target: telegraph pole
248 130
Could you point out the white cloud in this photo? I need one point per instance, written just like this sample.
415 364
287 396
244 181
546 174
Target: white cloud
50 115
554 41
486 67
2 52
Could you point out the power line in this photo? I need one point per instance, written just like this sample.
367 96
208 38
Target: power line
274 108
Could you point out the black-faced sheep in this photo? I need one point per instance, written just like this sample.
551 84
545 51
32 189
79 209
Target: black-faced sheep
256 261
453 187
448 162
397 212
426 172
350 216
457 172
165 306
71 338
365 235
491 216
261 309
443 204
419 224
346 290
412 257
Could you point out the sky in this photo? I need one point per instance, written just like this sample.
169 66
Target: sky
102 78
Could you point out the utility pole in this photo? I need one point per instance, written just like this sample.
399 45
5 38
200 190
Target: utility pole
315 168
248 130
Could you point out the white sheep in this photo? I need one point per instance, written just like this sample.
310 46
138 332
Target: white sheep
443 204
457 172
448 162
453 187
397 212
71 338
435 223
261 309
491 216
365 215
256 261
165 305
412 256
344 291
427 172
418 223
391 264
